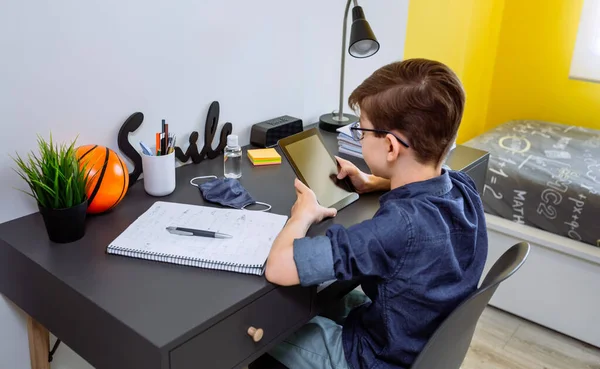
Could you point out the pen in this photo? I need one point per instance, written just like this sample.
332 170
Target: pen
165 146
173 144
196 232
162 136
145 149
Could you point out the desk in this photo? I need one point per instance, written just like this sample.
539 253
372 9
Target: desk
118 312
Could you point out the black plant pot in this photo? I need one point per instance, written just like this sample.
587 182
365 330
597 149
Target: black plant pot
65 225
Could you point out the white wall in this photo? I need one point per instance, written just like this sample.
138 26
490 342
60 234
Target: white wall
82 67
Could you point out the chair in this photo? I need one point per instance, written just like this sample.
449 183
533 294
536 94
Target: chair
448 346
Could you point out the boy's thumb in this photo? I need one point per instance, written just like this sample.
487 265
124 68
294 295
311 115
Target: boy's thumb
299 185
331 212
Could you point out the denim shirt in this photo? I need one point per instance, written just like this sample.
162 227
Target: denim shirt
419 257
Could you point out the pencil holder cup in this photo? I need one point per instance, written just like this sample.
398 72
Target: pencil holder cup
159 174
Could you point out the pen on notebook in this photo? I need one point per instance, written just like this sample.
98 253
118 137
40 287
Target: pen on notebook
196 232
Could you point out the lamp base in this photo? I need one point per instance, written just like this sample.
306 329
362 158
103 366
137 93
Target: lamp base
330 122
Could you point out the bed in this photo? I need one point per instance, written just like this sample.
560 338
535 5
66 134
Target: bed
543 186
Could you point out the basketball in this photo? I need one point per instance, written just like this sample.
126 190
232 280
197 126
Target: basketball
109 177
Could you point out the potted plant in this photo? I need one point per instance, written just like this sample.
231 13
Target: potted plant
58 183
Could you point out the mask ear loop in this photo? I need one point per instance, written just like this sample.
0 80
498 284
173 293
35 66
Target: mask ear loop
268 207
201 177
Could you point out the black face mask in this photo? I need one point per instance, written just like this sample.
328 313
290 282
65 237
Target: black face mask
227 192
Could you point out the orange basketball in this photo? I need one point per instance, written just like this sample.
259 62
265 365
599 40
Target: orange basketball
109 178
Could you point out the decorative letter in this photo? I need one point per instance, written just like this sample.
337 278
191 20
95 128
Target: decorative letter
210 129
131 125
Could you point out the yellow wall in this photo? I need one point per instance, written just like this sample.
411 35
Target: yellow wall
531 76
480 60
462 34
438 29
513 57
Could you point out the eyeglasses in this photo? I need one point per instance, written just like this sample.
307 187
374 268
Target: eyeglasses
358 133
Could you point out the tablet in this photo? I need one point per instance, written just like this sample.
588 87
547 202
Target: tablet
317 168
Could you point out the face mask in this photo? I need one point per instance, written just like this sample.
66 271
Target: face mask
227 192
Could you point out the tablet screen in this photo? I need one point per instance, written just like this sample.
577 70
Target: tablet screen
319 171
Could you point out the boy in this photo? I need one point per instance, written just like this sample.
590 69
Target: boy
424 250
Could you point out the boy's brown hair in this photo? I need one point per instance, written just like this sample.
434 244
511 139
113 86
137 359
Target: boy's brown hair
423 99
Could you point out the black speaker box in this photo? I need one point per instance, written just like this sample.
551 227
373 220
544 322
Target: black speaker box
267 133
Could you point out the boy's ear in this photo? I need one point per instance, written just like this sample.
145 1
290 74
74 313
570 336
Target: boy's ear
394 148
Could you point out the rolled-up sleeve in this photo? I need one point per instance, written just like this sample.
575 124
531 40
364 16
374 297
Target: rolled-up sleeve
314 260
373 248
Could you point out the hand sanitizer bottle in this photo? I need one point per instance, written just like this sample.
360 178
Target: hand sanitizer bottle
233 158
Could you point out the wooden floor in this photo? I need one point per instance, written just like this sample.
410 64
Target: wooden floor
503 341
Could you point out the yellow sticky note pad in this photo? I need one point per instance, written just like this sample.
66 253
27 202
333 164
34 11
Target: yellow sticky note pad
264 156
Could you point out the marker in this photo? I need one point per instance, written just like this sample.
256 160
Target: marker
158 144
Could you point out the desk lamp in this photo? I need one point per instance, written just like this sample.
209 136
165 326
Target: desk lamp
362 45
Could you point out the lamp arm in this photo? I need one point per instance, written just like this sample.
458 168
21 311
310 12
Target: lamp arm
343 66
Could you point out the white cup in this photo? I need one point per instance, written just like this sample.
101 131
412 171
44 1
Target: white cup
159 174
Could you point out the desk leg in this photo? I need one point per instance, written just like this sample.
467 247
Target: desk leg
39 344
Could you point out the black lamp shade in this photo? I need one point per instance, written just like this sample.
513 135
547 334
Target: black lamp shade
363 42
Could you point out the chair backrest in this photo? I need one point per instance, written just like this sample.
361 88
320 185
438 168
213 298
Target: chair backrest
448 346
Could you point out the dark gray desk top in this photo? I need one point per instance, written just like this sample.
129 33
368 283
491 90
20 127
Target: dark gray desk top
156 303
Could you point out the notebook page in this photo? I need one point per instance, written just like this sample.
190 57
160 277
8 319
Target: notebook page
253 233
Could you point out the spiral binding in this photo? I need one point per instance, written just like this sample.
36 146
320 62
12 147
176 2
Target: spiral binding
256 269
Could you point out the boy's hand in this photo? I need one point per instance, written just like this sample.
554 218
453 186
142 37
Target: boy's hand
307 208
359 179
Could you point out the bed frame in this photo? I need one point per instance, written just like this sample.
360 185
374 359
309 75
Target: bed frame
559 285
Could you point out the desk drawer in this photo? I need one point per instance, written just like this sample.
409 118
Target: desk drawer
227 343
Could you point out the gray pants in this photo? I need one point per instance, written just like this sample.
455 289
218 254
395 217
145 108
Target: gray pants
318 344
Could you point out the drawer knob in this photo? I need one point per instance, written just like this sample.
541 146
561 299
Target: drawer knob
256 333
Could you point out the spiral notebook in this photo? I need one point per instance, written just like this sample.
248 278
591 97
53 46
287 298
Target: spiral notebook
252 232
